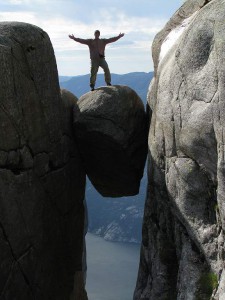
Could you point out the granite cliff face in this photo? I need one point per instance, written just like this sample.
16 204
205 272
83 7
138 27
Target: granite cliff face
42 180
42 174
182 255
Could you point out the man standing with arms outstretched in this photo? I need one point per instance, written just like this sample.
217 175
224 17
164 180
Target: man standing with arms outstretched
97 55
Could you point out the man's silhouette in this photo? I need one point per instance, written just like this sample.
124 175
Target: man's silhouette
97 55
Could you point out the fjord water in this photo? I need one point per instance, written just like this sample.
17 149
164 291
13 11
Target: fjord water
112 269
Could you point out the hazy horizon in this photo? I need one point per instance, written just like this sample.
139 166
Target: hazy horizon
101 72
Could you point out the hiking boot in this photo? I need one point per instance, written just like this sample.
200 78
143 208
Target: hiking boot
92 87
108 83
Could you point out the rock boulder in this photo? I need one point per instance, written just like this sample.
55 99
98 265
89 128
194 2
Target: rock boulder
110 128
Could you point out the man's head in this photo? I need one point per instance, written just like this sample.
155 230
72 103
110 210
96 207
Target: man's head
97 34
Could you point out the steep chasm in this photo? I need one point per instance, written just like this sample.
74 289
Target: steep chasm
111 132
42 180
182 254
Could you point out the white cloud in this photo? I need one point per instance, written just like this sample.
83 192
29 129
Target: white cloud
61 18
25 16
138 31
25 2
16 2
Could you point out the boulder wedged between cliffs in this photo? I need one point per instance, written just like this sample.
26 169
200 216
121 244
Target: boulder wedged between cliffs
110 126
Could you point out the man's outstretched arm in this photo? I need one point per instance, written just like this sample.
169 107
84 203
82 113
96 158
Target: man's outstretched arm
82 41
114 39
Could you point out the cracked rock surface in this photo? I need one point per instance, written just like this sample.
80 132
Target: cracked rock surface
111 131
182 255
41 176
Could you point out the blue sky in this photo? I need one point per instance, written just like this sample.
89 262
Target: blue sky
140 20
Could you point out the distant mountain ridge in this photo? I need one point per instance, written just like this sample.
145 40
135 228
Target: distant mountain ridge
79 85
